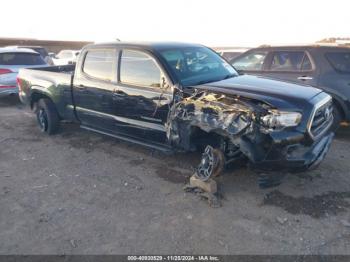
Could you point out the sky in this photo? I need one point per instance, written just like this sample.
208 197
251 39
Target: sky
210 22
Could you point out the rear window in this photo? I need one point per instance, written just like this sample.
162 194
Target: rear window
99 64
340 61
21 59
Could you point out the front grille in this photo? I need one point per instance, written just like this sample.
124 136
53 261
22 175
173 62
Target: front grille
322 119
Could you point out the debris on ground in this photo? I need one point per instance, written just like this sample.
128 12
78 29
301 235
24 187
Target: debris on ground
30 158
345 223
213 200
281 220
53 174
73 243
39 186
272 179
209 186
44 218
205 190
139 188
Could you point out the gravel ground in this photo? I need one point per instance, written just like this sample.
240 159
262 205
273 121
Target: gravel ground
82 193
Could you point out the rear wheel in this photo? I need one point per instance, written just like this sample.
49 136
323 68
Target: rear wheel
47 116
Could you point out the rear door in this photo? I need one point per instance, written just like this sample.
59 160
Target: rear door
93 88
290 65
142 96
336 73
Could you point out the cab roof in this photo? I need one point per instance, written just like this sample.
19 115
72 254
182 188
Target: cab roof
146 45
309 46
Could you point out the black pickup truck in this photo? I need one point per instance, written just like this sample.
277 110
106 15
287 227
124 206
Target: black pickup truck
184 97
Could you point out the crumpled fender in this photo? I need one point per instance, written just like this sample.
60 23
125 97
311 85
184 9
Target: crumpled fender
227 116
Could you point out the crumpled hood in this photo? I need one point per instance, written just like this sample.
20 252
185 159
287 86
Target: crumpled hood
278 93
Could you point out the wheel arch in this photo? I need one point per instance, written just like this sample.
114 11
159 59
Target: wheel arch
36 96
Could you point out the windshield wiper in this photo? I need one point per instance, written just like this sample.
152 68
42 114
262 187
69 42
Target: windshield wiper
202 82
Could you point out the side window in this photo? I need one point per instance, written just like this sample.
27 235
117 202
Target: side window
140 69
253 61
340 61
99 64
290 61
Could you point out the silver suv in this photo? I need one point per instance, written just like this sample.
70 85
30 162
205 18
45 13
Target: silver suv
11 60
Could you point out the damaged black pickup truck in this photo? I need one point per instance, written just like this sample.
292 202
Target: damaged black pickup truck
184 97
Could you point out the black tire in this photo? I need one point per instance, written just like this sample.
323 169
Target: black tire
47 116
337 118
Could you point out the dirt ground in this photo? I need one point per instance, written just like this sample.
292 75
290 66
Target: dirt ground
83 193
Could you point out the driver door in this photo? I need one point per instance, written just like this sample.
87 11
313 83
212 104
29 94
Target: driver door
142 96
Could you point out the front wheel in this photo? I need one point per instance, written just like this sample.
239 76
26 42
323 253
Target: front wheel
47 116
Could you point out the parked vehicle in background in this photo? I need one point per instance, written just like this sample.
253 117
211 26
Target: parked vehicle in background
52 54
41 50
325 67
230 53
66 57
184 97
11 60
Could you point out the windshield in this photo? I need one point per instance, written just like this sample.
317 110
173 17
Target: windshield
197 65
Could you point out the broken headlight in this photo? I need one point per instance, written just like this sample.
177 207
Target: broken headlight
280 119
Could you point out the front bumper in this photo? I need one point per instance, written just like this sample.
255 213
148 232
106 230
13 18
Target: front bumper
295 157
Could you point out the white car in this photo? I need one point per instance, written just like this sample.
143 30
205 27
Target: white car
66 57
231 53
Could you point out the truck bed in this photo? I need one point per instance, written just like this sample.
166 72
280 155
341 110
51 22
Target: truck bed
48 76
69 69
54 82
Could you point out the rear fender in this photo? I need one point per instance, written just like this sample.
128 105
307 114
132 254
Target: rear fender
38 93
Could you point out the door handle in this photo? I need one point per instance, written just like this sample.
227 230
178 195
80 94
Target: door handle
119 93
81 88
304 78
159 98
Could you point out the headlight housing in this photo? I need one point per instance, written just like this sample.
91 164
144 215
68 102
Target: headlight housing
279 119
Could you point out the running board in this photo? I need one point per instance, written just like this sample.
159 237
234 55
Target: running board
164 148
